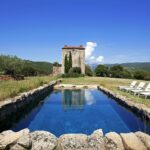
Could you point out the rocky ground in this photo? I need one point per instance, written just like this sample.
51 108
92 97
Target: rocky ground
42 140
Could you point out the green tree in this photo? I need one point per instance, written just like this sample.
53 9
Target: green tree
147 76
29 71
66 64
88 70
116 71
70 60
56 64
127 74
102 70
140 75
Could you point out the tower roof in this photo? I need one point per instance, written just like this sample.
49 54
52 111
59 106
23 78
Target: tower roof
74 47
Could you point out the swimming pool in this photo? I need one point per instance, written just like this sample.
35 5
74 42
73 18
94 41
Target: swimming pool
81 111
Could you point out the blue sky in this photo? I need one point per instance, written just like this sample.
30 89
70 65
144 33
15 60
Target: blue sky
38 29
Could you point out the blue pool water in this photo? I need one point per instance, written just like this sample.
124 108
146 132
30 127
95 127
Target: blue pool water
80 111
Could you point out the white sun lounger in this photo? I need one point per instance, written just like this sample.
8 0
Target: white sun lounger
138 91
132 85
139 87
146 93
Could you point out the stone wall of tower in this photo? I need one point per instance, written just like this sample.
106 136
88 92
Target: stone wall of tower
78 58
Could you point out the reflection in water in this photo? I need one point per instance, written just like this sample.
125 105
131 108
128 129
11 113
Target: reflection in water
89 98
73 99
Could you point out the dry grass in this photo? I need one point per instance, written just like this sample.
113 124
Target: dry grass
109 83
12 88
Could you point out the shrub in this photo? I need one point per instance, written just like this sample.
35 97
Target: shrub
76 70
70 75
22 89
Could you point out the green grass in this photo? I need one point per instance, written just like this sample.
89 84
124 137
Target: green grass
12 88
109 83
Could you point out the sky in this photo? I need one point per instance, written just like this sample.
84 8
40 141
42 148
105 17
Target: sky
112 31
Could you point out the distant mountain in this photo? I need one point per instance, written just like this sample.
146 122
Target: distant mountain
145 66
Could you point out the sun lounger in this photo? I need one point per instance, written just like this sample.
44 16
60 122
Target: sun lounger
132 85
145 94
139 87
138 91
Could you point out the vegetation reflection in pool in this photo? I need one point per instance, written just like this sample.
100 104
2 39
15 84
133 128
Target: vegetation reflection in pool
81 111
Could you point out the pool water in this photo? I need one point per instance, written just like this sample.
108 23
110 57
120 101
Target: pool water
81 111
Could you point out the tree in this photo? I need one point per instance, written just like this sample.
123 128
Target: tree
127 74
88 70
117 71
102 70
147 76
29 71
139 75
66 64
56 64
70 60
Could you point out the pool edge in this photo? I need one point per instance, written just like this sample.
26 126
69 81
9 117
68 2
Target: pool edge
139 109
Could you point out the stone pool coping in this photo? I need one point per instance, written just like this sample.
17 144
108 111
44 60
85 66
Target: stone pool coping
43 140
75 86
140 109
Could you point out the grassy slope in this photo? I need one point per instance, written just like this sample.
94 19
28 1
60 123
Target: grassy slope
12 88
110 83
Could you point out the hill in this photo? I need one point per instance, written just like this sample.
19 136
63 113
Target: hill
25 67
145 66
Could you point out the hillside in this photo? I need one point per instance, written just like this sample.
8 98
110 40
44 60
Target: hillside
25 67
145 66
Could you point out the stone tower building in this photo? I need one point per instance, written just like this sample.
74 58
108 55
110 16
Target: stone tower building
78 57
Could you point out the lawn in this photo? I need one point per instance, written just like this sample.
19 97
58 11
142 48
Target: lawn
109 83
12 88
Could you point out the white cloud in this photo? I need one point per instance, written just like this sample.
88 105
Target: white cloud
90 58
89 98
99 58
90 47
